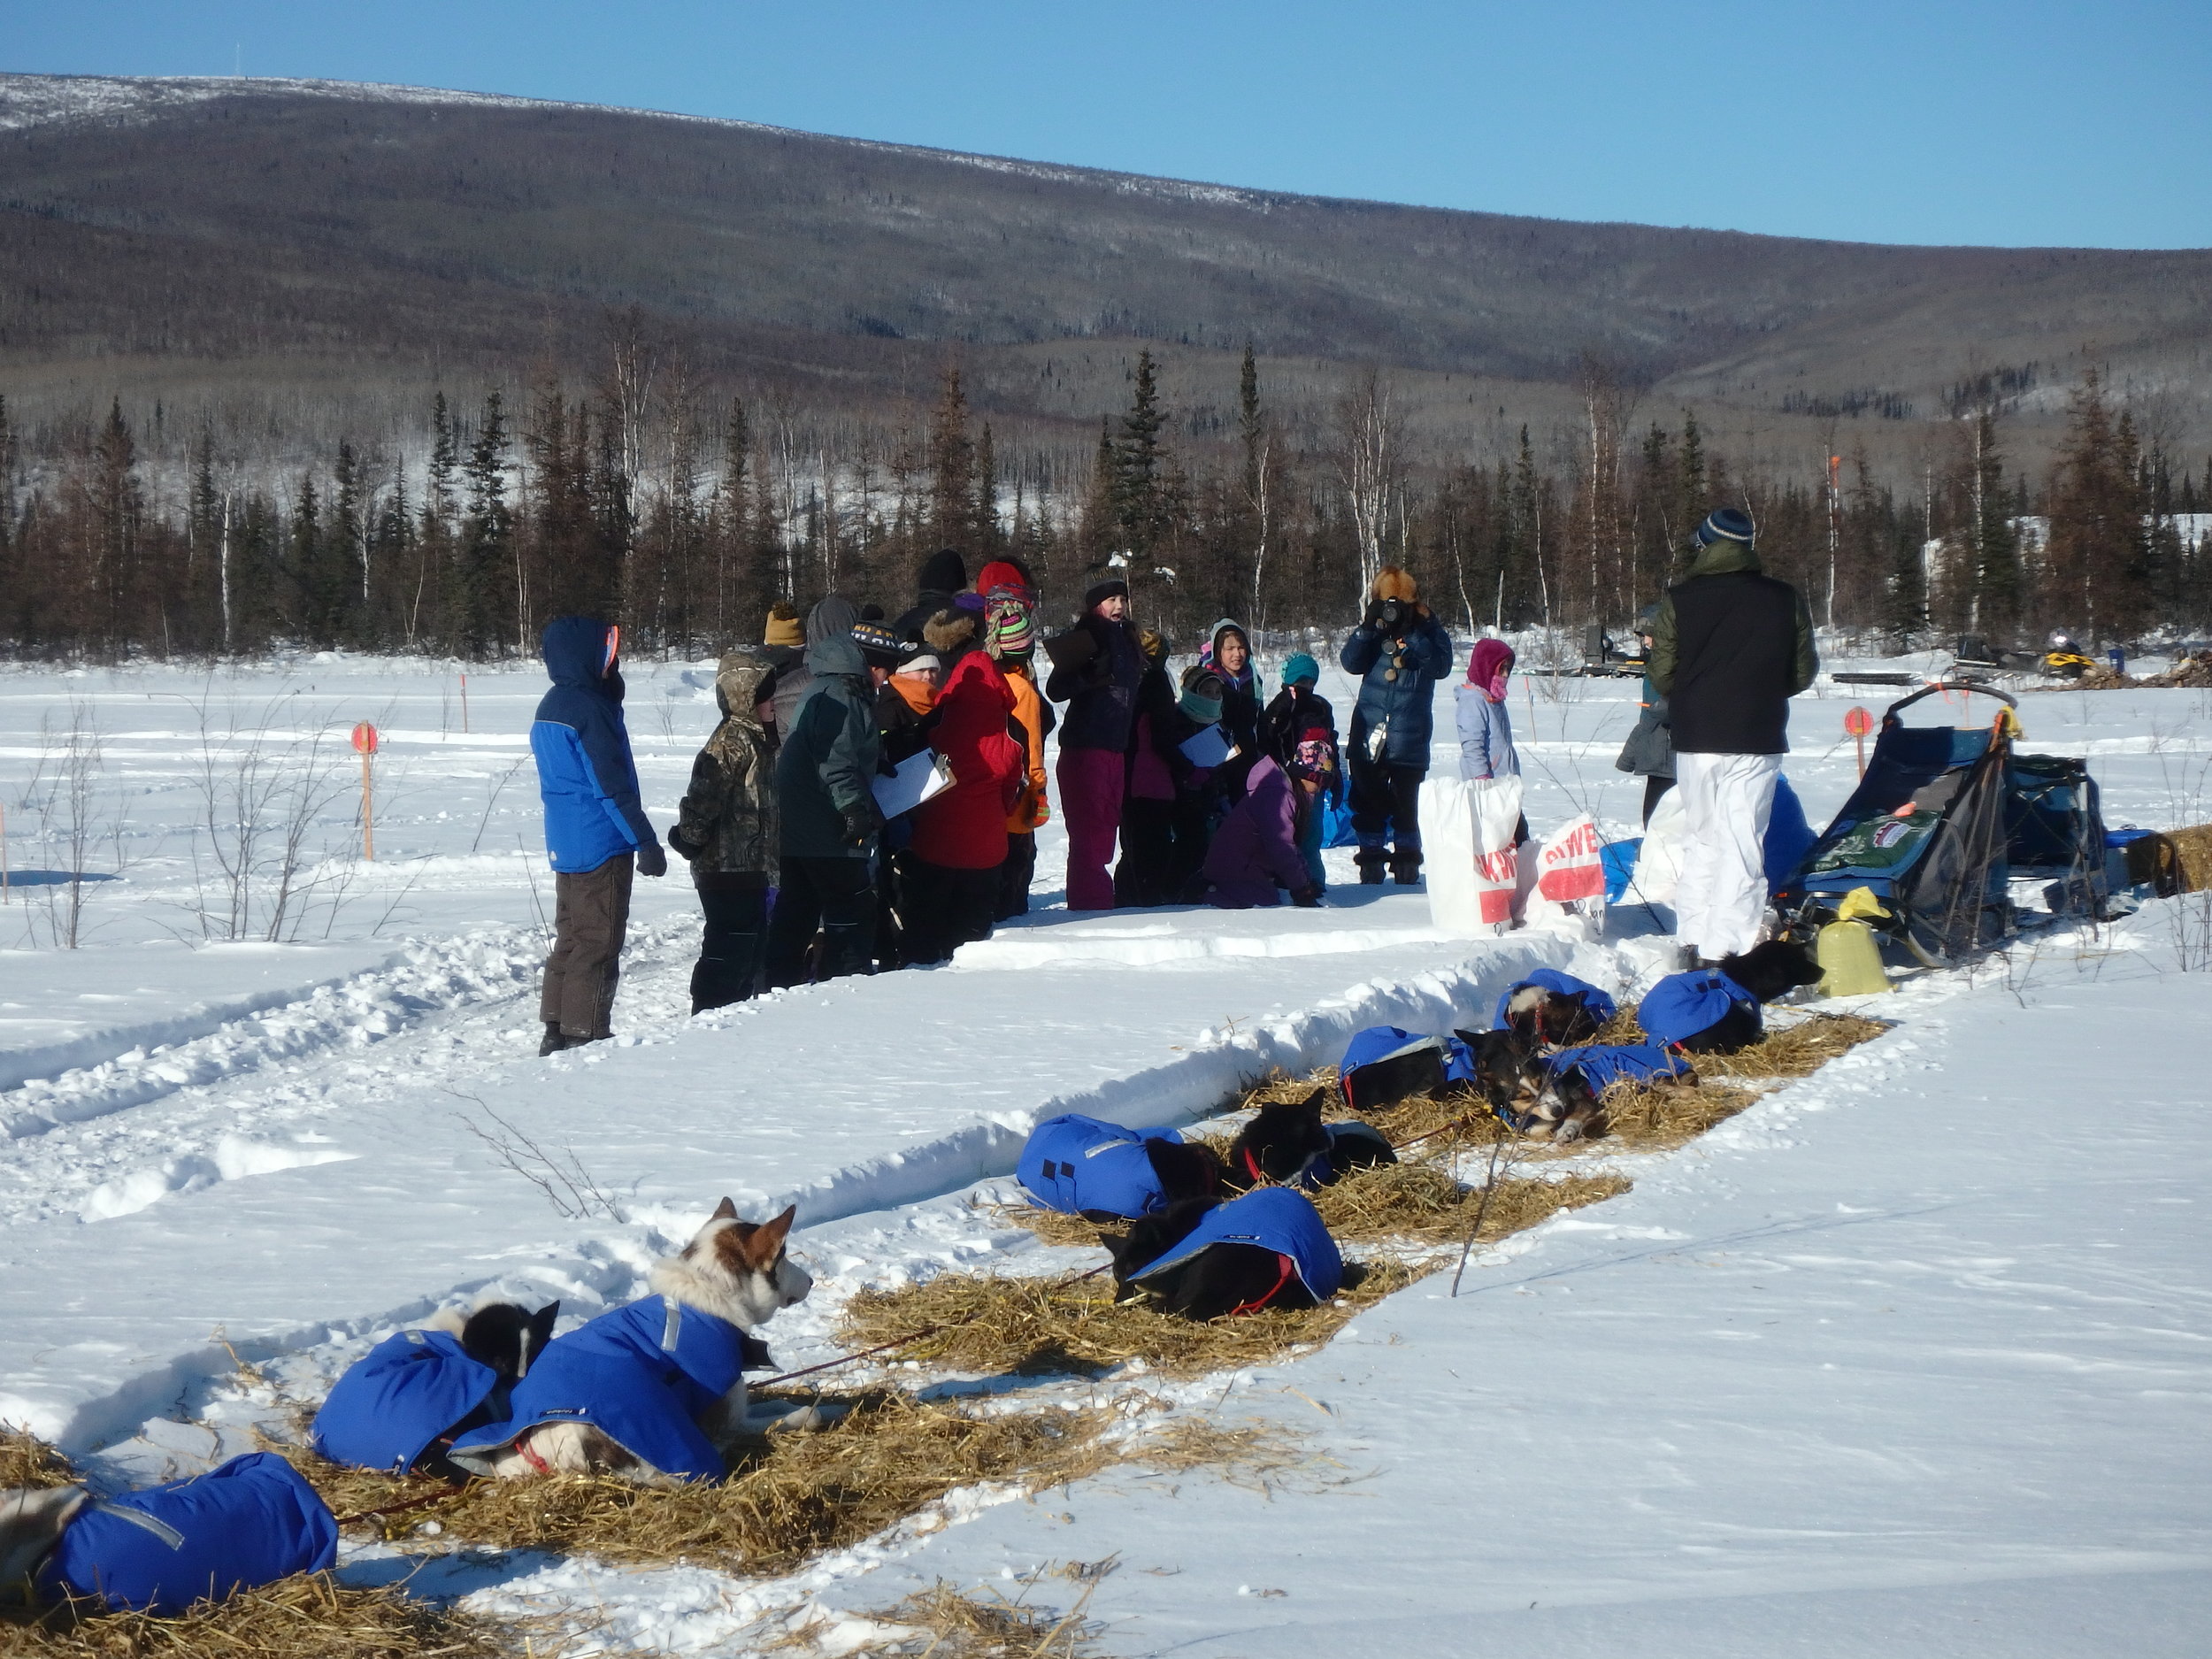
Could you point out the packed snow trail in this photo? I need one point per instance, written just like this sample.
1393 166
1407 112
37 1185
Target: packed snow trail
374 1182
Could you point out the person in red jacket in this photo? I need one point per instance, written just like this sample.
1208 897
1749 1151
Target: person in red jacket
960 834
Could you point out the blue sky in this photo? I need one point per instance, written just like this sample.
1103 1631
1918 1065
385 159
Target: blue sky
1941 121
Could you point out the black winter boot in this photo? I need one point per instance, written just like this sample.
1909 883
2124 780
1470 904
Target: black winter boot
1405 868
554 1042
1370 868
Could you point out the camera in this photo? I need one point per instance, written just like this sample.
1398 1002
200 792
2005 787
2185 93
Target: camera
1388 614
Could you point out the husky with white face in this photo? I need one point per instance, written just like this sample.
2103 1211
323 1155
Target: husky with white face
734 1271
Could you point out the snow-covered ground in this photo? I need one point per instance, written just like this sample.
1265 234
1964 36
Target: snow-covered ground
1912 1355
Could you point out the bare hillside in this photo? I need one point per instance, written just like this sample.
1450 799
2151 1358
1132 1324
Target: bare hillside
388 228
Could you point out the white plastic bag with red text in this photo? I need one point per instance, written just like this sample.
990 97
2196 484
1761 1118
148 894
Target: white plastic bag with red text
1568 883
1467 852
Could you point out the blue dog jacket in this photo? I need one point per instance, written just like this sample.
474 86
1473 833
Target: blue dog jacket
1601 1006
397 1398
640 1375
1604 1064
1683 1004
1278 1219
1073 1164
1384 1065
250 1522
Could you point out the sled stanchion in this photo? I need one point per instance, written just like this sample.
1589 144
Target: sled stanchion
3 855
464 705
365 740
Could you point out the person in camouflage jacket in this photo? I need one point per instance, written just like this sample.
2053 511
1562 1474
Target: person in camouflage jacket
727 830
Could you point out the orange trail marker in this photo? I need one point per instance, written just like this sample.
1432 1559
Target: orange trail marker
1859 722
364 742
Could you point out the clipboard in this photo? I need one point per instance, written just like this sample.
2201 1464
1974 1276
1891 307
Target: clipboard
1208 748
920 777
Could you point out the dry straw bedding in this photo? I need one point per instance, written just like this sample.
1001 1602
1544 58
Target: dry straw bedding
894 1455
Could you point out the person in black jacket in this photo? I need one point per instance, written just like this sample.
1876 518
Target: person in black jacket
1097 668
1729 647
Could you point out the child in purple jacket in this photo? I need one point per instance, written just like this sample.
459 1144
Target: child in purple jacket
1255 849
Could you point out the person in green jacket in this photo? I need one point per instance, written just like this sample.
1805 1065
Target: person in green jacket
1729 647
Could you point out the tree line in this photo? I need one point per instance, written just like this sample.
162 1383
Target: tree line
682 511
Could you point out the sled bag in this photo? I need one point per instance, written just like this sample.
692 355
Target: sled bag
250 1522
1278 1219
1073 1164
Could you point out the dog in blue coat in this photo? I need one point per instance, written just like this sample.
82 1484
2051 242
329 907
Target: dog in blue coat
401 1406
245 1525
654 1392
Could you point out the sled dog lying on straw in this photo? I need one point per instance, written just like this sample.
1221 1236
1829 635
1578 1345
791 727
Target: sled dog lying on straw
654 1392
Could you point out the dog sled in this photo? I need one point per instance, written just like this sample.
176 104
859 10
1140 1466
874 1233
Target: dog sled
1943 823
1925 833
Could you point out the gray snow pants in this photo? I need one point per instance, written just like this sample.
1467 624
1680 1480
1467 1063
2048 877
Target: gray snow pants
591 912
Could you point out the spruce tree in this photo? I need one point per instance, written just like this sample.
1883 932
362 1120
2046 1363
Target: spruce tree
309 610
1140 514
986 511
952 470
484 540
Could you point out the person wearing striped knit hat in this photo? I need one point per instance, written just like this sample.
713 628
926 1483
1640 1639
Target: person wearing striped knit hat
1010 636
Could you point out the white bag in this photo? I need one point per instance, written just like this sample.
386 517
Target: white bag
1569 880
1467 852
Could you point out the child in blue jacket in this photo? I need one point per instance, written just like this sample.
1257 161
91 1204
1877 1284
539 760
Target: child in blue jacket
597 832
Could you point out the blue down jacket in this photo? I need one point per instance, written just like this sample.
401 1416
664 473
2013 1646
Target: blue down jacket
1604 1064
250 1522
1601 1006
397 1398
1402 699
1683 1004
1278 1219
640 1375
585 773
1073 1164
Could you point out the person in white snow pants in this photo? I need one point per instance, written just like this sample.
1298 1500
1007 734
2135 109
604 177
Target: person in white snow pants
1730 646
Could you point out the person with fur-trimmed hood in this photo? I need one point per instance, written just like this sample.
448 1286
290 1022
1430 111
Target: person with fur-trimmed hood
950 880
1096 669
1398 652
944 576
726 829
828 822
597 832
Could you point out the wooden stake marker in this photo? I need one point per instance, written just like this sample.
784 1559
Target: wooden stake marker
364 743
